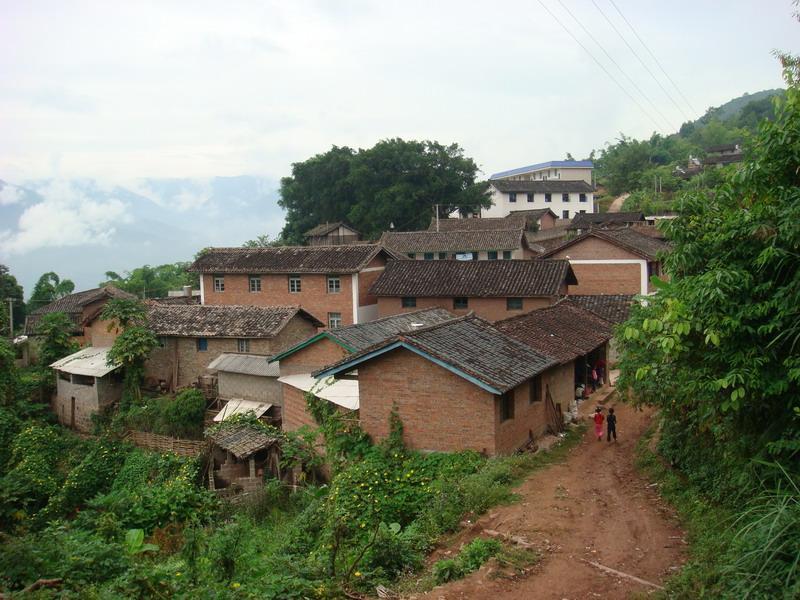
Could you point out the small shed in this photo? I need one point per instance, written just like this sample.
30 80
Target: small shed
85 384
248 378
241 456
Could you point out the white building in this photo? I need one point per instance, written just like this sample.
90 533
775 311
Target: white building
566 198
565 170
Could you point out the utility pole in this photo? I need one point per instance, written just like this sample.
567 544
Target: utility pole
436 208
11 318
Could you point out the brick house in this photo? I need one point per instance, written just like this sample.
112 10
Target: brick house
503 244
83 309
327 347
331 282
460 384
331 234
192 336
612 261
491 289
577 338
528 220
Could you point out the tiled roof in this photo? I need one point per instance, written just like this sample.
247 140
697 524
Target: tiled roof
326 228
452 241
363 335
176 300
221 320
614 308
241 440
563 331
555 164
469 345
555 186
627 238
287 259
72 305
586 220
473 278
518 219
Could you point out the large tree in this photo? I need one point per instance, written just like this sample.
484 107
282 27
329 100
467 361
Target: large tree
50 287
395 182
10 289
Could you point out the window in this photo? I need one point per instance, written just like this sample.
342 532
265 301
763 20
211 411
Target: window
513 303
334 320
530 197
294 284
162 342
64 376
583 211
507 406
512 196
548 197
474 255
582 198
255 283
408 302
535 389
202 344
565 214
334 284
219 283
565 197
492 254
460 303
442 255
506 254
428 256
243 345
82 379
411 255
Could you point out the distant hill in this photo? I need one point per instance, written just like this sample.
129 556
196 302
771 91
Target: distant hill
733 107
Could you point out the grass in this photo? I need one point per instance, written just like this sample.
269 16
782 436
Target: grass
751 551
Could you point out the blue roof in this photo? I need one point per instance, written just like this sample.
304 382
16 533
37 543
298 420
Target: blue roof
575 164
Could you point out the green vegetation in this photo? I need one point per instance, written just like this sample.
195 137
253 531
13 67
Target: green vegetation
56 342
470 559
180 417
9 288
49 288
153 282
394 182
716 351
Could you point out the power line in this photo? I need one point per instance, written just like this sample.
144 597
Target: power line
611 58
599 64
653 56
639 58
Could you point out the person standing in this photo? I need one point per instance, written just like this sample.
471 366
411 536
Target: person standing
598 423
611 424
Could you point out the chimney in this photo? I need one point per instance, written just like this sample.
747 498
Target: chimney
187 290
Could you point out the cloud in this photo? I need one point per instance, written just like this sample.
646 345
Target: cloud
67 216
10 194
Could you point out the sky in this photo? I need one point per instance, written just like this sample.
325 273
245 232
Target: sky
122 116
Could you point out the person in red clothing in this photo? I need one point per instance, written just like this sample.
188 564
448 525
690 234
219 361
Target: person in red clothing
598 423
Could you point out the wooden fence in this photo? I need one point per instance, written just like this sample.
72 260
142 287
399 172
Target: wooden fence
162 443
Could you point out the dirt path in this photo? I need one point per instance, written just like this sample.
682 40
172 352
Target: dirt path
616 205
593 507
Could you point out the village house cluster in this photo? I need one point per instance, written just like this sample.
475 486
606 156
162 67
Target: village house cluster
476 331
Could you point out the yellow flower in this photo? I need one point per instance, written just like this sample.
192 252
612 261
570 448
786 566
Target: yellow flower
235 585
357 573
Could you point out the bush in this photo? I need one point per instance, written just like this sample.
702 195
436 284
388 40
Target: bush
182 416
470 559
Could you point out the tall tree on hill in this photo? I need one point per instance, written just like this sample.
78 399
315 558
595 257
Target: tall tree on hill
50 287
394 182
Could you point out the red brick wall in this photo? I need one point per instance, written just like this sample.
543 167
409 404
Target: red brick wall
97 334
365 281
529 420
606 279
315 356
595 249
295 414
440 410
313 297
491 309
547 221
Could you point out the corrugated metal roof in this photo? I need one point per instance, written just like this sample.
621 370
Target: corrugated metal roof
89 361
246 364
241 407
343 392
563 164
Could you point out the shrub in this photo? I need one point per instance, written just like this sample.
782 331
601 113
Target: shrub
470 559
182 416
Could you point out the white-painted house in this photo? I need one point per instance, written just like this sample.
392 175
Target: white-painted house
563 170
566 198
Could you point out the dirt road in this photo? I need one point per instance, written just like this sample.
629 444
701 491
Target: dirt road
593 507
616 205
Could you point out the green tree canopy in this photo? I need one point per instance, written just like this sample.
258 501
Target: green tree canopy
50 287
394 182
9 288
153 282
56 330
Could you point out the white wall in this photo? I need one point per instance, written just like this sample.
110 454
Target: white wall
502 207
562 173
